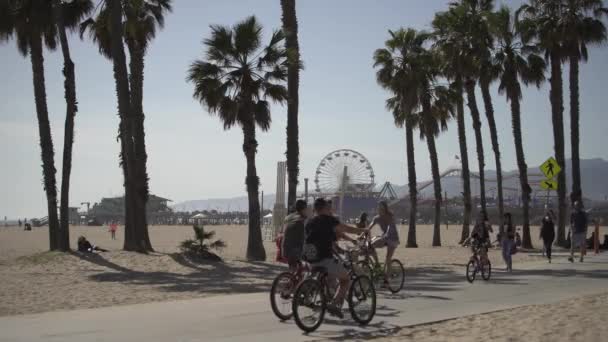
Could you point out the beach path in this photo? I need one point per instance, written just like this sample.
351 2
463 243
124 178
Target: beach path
430 296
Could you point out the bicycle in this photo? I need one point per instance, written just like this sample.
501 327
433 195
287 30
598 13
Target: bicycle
375 270
476 265
283 286
313 294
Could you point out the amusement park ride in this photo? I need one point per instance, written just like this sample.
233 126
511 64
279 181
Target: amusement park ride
347 178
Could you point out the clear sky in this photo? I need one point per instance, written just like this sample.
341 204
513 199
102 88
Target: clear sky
191 157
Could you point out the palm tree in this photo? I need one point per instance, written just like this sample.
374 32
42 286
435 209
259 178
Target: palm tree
436 109
235 81
582 25
488 73
393 63
68 16
33 25
113 20
456 61
290 27
539 23
410 68
141 19
516 63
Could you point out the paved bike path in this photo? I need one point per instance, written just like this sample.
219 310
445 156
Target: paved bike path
431 295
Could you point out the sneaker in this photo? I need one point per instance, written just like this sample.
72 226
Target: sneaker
335 311
571 259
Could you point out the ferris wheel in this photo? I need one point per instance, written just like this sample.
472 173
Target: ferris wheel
331 170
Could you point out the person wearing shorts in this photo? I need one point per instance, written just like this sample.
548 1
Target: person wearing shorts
322 232
293 234
480 236
579 224
390 235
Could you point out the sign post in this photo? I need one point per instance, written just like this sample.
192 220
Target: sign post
550 168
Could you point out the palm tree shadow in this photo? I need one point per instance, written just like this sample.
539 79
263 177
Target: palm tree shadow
99 260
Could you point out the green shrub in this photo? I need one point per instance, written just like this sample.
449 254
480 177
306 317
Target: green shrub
199 247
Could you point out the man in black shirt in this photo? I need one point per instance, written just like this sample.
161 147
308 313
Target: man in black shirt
322 233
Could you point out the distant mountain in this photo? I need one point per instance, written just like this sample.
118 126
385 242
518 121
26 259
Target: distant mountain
594 174
222 204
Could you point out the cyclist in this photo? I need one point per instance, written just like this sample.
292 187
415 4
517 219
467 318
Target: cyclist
322 232
480 237
389 237
293 234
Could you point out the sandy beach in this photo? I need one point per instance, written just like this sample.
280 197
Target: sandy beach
577 319
33 280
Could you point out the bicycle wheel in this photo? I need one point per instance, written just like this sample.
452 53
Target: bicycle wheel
362 300
471 270
486 270
395 276
308 305
281 294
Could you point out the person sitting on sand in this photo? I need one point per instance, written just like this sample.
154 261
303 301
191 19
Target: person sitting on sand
85 246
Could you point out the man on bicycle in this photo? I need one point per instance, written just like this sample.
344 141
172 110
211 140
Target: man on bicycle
322 232
293 234
480 237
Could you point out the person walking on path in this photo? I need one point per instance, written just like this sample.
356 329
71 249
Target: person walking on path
508 242
578 226
547 233
113 228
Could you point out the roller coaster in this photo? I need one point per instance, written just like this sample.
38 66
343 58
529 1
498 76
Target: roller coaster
534 180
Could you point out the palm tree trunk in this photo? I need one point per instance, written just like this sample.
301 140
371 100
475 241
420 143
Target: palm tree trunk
430 140
411 177
464 158
472 103
574 128
255 246
523 171
68 140
487 100
46 140
290 27
141 180
124 112
557 116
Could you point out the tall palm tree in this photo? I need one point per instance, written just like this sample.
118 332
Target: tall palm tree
410 68
582 25
456 62
436 109
141 19
516 63
67 16
33 25
290 27
113 12
393 63
236 80
488 73
539 24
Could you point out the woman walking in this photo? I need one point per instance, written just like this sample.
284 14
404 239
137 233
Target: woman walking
508 242
547 233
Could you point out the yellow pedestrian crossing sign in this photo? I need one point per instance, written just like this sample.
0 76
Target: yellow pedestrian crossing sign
550 168
549 184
